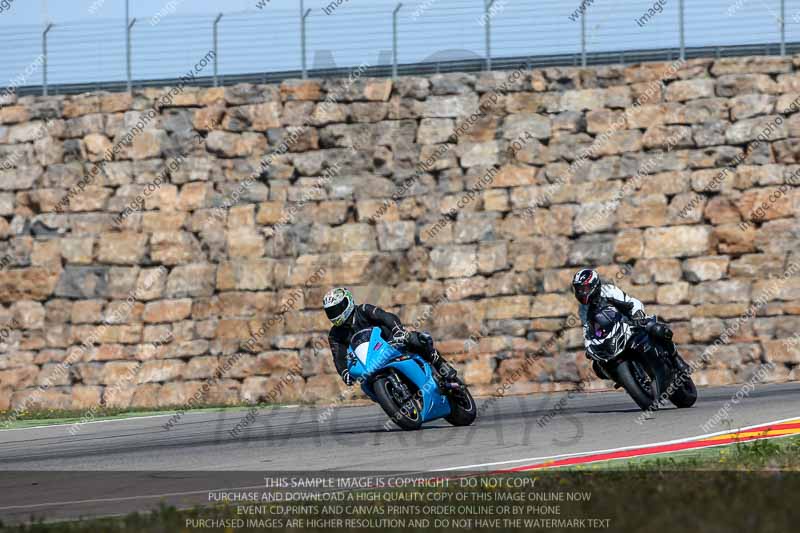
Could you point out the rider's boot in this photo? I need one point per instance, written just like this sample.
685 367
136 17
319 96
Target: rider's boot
445 375
682 366
663 332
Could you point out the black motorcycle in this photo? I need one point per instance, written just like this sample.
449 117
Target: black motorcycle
637 354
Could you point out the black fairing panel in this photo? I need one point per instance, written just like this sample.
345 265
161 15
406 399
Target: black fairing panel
640 341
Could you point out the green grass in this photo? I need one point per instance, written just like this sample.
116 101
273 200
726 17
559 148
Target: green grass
782 454
48 417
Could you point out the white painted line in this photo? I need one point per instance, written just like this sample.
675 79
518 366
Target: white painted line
611 450
681 451
127 418
79 423
532 459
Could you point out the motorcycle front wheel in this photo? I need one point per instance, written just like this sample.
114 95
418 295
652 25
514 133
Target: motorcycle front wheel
403 411
641 382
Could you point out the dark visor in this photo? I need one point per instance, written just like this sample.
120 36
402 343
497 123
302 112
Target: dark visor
582 293
583 290
336 310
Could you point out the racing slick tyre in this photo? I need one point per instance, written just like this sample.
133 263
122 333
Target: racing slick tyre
685 394
462 408
404 411
640 382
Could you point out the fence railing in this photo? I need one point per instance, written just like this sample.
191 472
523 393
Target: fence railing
277 38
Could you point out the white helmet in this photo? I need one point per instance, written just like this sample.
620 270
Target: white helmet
339 304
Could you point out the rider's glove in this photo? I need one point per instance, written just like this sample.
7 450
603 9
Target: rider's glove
639 318
399 337
420 340
346 377
425 338
660 330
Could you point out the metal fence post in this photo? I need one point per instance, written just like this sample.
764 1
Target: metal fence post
487 5
583 38
216 50
681 29
44 56
128 49
303 15
128 43
394 39
783 27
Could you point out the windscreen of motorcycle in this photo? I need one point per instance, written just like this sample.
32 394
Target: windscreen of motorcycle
360 344
610 335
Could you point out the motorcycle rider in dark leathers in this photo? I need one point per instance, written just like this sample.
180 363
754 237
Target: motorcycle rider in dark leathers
594 296
349 318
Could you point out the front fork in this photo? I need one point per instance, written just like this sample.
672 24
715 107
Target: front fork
400 387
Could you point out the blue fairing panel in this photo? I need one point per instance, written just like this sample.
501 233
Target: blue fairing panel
382 355
435 405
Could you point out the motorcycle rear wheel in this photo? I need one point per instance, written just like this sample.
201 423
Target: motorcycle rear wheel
686 395
407 416
462 408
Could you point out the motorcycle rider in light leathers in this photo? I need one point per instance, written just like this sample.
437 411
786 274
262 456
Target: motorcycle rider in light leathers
594 295
349 318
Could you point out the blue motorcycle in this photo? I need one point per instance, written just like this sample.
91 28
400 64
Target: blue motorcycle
403 384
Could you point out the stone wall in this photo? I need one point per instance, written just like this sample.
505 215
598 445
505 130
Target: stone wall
173 246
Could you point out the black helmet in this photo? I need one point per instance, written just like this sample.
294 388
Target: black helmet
586 285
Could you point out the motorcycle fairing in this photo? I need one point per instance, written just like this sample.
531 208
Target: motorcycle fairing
376 355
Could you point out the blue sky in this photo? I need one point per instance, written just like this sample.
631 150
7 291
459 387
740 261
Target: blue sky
87 44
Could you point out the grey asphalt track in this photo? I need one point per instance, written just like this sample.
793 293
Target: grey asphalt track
119 466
